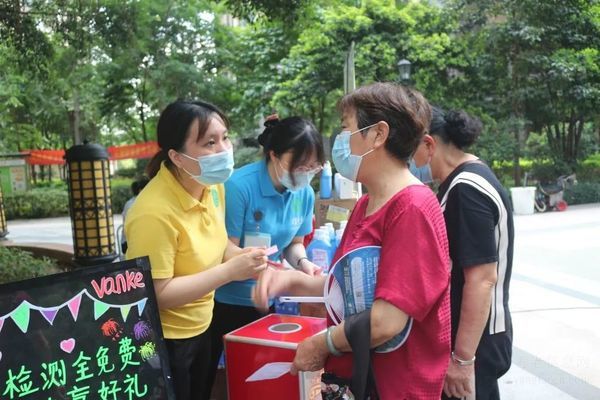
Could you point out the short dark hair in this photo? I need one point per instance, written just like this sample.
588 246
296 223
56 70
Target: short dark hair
455 126
173 128
404 109
293 133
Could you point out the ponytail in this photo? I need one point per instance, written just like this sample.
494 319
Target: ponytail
264 139
154 165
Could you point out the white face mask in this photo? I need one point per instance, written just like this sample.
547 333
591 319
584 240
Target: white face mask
214 168
345 162
302 178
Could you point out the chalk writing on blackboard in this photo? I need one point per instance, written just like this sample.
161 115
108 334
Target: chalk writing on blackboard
84 335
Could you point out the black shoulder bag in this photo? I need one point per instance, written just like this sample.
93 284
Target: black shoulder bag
357 328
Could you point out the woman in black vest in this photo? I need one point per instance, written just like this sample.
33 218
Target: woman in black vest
481 236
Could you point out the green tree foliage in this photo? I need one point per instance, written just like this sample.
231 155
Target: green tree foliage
104 70
535 63
384 33
283 10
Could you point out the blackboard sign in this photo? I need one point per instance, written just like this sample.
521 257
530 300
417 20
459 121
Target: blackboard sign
90 334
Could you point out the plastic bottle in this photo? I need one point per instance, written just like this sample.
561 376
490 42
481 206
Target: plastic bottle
320 251
331 230
336 184
330 234
338 237
343 225
326 181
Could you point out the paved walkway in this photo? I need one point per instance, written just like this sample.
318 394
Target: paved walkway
555 299
48 230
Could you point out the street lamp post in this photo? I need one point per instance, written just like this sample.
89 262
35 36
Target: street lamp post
404 70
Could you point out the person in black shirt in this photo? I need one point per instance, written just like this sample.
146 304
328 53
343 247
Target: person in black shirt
481 235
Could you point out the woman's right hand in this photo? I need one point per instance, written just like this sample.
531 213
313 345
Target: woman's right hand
248 264
271 283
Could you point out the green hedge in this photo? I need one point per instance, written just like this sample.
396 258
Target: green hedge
16 265
120 193
53 184
37 203
126 172
47 203
582 193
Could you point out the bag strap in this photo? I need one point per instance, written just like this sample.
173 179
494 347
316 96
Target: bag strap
357 328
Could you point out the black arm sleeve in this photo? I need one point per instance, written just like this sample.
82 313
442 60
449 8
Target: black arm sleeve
471 219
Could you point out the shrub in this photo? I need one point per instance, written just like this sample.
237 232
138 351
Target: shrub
47 203
589 169
592 161
588 173
549 171
126 172
140 166
53 184
582 193
246 155
16 265
120 193
37 203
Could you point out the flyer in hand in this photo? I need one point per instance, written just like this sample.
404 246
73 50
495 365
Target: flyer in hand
350 289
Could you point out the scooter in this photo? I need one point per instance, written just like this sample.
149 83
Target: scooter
550 196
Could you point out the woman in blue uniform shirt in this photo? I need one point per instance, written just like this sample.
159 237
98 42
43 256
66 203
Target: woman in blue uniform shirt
269 202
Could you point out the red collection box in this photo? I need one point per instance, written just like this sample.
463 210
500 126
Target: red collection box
272 339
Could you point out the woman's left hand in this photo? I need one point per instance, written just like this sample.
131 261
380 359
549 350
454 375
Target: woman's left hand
309 268
459 380
311 355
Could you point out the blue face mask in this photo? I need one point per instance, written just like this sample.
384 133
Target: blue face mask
302 179
346 163
214 168
423 173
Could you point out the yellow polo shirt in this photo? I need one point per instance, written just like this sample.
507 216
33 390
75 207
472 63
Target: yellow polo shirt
182 236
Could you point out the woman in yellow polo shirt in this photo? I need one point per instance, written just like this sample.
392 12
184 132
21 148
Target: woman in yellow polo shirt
178 221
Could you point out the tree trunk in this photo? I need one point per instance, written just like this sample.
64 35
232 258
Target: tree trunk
143 118
313 113
326 138
517 115
517 168
564 139
142 99
322 114
33 175
76 133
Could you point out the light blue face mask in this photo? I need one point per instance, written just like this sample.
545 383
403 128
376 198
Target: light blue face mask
214 168
302 178
346 163
423 173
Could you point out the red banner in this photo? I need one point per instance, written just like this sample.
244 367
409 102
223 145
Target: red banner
45 157
127 151
138 150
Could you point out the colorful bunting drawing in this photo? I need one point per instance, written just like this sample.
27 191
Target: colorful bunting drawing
100 308
20 316
125 311
74 304
49 314
141 304
22 313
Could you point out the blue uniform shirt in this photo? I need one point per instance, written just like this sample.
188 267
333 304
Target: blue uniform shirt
254 206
